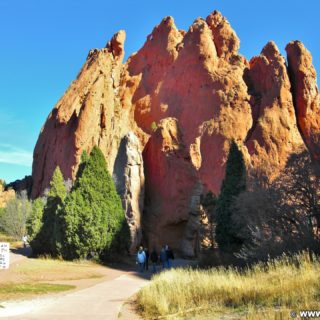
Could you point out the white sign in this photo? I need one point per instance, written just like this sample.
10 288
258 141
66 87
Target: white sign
4 255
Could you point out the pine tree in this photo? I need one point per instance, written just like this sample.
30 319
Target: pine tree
45 241
233 184
93 216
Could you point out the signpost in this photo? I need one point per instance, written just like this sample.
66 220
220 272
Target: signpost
4 255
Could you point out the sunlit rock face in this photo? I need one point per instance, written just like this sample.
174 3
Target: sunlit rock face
305 95
5 195
274 134
183 97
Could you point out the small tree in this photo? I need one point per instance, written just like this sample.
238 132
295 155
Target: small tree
45 240
233 184
34 222
14 216
282 216
93 216
209 203
153 126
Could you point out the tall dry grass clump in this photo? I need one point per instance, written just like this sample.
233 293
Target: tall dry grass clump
264 291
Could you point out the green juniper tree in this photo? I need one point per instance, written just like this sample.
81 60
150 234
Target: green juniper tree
34 222
93 217
233 184
45 241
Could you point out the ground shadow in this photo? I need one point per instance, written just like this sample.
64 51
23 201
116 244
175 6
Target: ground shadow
26 252
128 264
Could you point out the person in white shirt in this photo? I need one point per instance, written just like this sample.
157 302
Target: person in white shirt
25 241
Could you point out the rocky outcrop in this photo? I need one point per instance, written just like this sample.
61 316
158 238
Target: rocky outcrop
224 37
305 95
23 185
88 114
128 174
5 195
184 95
274 134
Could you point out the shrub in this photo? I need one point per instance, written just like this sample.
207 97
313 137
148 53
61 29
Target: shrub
14 216
153 126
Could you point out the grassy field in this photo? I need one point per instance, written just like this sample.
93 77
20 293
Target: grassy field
41 269
268 291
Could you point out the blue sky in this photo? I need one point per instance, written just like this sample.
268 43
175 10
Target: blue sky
44 44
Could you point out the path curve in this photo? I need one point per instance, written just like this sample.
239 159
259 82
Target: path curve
101 301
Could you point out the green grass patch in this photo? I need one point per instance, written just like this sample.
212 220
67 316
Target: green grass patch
46 269
32 288
266 291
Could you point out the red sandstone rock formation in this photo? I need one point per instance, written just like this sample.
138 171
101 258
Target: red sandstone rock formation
88 114
5 195
305 95
274 134
201 93
170 180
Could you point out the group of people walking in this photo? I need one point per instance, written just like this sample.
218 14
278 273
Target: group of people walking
165 258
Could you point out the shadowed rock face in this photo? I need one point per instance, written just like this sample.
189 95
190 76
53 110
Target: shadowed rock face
170 180
184 95
128 173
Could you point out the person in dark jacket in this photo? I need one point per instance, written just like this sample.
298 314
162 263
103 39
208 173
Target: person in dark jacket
154 260
163 257
146 264
169 256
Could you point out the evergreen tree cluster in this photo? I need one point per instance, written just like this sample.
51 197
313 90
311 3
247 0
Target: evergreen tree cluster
88 222
227 231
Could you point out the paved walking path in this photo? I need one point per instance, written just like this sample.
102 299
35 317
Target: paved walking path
102 301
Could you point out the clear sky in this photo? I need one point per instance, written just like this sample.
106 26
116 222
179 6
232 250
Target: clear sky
44 43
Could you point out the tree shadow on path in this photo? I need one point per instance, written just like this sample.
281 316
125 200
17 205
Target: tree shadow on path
26 252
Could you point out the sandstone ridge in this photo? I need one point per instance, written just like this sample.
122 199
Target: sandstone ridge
170 111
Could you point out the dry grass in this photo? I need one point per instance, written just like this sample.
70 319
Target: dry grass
14 243
263 292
